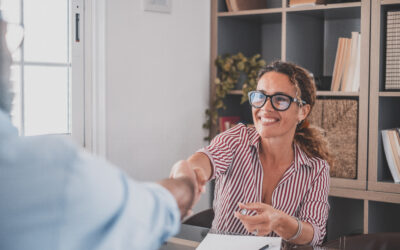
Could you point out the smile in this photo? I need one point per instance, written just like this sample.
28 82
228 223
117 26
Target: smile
268 121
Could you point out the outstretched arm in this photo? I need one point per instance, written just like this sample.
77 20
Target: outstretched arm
183 186
200 164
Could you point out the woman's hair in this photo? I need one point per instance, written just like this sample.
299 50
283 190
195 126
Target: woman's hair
310 139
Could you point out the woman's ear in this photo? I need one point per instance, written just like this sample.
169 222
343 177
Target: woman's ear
303 112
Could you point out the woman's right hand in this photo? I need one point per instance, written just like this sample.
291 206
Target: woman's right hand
183 168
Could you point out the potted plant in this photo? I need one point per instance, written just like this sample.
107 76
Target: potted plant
233 70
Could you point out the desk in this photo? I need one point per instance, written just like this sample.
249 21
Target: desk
190 237
187 239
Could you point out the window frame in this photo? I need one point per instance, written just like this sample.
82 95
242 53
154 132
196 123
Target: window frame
88 83
75 76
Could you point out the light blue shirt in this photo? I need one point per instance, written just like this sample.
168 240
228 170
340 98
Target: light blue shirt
54 197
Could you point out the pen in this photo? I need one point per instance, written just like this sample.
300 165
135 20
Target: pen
264 247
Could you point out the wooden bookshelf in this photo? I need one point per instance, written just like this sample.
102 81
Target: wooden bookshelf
284 33
308 36
365 195
389 2
384 106
250 12
389 94
337 93
324 7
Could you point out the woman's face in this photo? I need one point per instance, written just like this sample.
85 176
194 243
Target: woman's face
271 123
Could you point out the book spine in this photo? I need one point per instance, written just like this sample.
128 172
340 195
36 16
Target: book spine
389 156
356 80
396 157
336 66
228 5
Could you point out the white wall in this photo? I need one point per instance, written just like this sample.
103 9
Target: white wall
157 85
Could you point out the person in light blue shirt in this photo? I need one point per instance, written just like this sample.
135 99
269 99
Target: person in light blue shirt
55 197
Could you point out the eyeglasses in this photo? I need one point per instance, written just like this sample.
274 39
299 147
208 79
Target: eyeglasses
280 102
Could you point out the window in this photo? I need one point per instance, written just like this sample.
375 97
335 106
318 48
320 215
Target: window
47 72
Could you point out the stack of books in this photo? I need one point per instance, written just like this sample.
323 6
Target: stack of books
392 79
391 145
346 71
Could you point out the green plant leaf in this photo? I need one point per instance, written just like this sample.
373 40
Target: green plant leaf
229 68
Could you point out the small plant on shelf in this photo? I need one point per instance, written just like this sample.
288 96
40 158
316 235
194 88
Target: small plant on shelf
232 70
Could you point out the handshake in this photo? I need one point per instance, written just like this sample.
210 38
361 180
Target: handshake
192 184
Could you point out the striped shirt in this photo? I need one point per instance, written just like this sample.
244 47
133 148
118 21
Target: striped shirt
302 192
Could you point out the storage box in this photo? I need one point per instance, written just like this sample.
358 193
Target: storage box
338 118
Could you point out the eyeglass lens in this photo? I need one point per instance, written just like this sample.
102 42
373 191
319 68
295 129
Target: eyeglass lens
279 102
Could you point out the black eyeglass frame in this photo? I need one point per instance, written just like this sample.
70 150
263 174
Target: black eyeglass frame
291 99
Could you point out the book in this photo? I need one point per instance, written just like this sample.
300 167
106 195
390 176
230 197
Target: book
348 77
390 153
303 3
334 86
226 122
346 65
340 64
228 5
337 69
346 70
357 71
238 5
395 143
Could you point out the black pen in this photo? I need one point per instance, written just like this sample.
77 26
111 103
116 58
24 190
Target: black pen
264 247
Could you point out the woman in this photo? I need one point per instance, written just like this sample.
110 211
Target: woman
276 173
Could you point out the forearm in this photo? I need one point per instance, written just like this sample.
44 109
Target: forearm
183 190
201 161
287 226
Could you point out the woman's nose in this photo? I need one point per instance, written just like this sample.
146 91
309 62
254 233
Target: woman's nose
268 105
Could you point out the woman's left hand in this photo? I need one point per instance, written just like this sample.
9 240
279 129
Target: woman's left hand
264 222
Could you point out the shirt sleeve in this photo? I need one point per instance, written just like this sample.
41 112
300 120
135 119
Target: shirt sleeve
107 209
221 150
315 207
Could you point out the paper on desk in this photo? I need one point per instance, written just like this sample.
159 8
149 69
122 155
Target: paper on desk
232 242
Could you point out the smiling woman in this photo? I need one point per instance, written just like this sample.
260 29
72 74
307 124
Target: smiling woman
278 170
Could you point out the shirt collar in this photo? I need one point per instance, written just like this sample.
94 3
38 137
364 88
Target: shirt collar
254 137
300 157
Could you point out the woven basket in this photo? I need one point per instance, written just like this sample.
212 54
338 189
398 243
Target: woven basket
338 118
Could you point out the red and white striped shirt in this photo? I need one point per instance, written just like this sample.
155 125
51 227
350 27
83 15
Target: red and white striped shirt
302 192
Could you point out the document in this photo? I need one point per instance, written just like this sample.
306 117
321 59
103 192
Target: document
240 242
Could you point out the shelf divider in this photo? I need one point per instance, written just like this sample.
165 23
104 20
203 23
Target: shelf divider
389 93
337 93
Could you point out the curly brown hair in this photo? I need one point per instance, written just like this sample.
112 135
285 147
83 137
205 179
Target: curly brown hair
310 139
